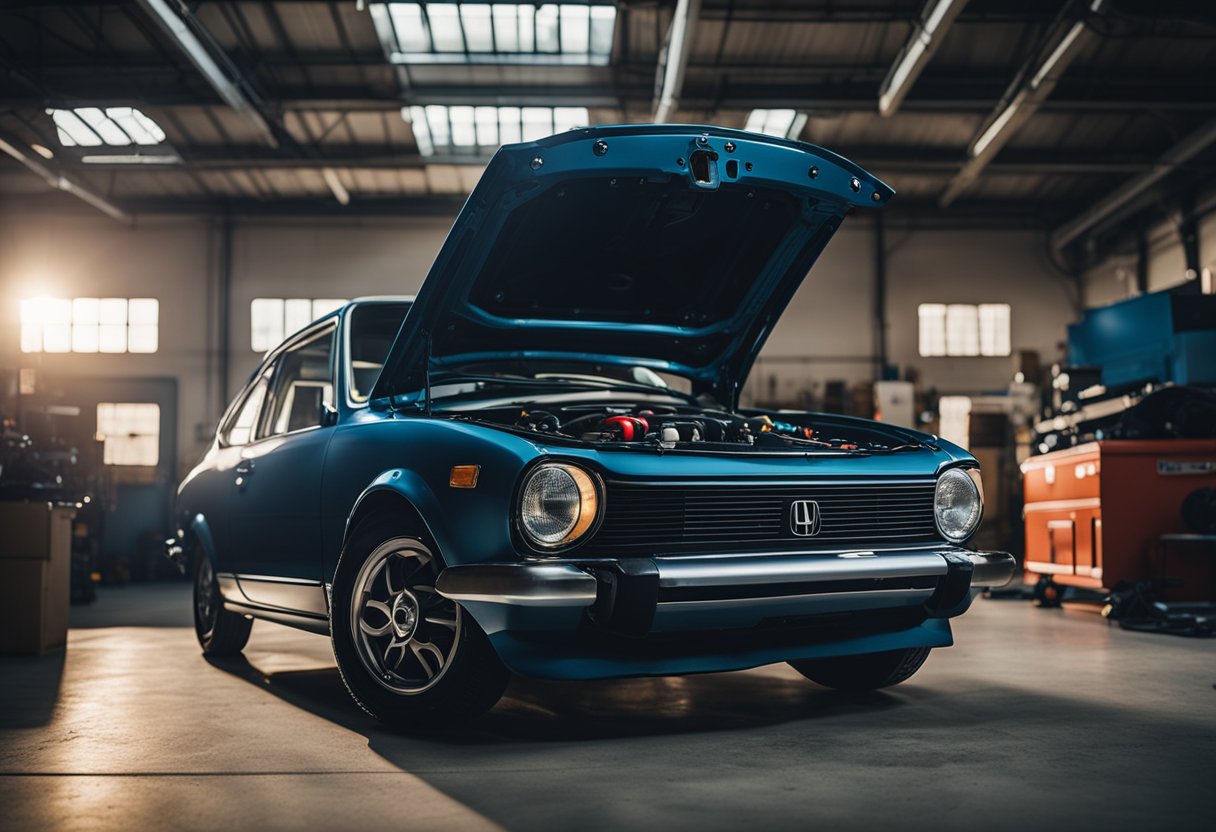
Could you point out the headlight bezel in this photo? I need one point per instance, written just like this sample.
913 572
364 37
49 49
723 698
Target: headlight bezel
582 531
972 476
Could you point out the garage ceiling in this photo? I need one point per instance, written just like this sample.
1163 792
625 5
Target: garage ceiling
301 106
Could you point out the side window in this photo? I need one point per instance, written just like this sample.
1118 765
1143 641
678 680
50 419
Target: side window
240 429
303 385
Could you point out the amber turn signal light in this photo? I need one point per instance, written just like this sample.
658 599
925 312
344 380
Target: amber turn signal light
464 476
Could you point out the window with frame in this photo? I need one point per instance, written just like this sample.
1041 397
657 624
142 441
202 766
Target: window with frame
455 32
129 432
239 430
273 319
963 329
464 129
90 325
302 386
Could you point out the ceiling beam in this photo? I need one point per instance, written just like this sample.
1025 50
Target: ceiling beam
235 91
59 181
882 160
673 59
928 32
1123 196
1035 82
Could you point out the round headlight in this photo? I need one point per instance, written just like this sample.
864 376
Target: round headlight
558 505
958 503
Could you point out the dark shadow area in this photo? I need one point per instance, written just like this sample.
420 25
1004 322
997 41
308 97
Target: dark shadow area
662 750
29 689
156 604
535 710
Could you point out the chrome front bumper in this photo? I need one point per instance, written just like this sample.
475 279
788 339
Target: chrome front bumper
730 590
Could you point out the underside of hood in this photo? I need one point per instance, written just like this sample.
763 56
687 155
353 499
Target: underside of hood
673 248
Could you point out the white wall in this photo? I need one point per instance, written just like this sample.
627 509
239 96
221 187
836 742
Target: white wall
73 252
1114 279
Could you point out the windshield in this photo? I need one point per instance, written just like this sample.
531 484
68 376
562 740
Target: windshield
372 328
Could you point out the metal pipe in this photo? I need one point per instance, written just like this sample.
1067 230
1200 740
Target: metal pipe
674 58
178 30
60 182
928 32
1178 155
1034 85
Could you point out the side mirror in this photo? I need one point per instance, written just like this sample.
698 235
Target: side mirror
329 415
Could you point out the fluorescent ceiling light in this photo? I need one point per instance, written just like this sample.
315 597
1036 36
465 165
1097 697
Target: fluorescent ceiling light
477 32
784 124
132 159
469 129
113 127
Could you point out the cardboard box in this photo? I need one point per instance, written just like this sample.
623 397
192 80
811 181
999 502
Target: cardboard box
35 576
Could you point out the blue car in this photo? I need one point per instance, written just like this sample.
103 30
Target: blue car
539 465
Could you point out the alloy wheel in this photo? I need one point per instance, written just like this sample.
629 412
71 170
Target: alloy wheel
405 632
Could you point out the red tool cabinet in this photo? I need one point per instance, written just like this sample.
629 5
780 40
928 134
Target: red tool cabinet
1094 513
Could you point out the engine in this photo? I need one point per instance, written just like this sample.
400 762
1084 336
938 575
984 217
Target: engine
670 426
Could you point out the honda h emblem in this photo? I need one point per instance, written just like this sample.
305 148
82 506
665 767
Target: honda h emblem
804 518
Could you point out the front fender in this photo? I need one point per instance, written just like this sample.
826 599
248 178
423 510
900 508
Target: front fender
408 486
193 534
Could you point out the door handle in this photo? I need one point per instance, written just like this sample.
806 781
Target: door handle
244 467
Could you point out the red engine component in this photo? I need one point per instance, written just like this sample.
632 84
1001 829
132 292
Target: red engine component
626 428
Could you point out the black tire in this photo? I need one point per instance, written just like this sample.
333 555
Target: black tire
868 671
219 632
423 688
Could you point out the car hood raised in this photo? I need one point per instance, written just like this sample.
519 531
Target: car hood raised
669 247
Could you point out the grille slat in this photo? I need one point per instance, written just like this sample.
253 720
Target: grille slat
676 517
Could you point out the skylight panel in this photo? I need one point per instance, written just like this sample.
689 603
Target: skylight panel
452 31
784 124
463 129
112 127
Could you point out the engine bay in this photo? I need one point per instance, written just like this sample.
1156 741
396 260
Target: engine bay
669 427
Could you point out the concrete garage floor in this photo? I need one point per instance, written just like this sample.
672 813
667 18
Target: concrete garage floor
1036 719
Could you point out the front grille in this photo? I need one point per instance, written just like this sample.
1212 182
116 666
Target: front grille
670 518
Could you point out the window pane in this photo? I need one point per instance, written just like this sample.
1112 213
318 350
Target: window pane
576 30
546 28
955 422
265 323
86 311
603 22
407 22
461 119
302 384
57 337
31 338
323 306
994 329
962 330
241 430
932 318
297 314
130 432
85 338
144 311
506 27
486 119
143 338
476 20
110 132
538 123
509 125
112 338
113 311
416 116
445 27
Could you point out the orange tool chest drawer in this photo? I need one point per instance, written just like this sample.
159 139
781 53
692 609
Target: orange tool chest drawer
1094 513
